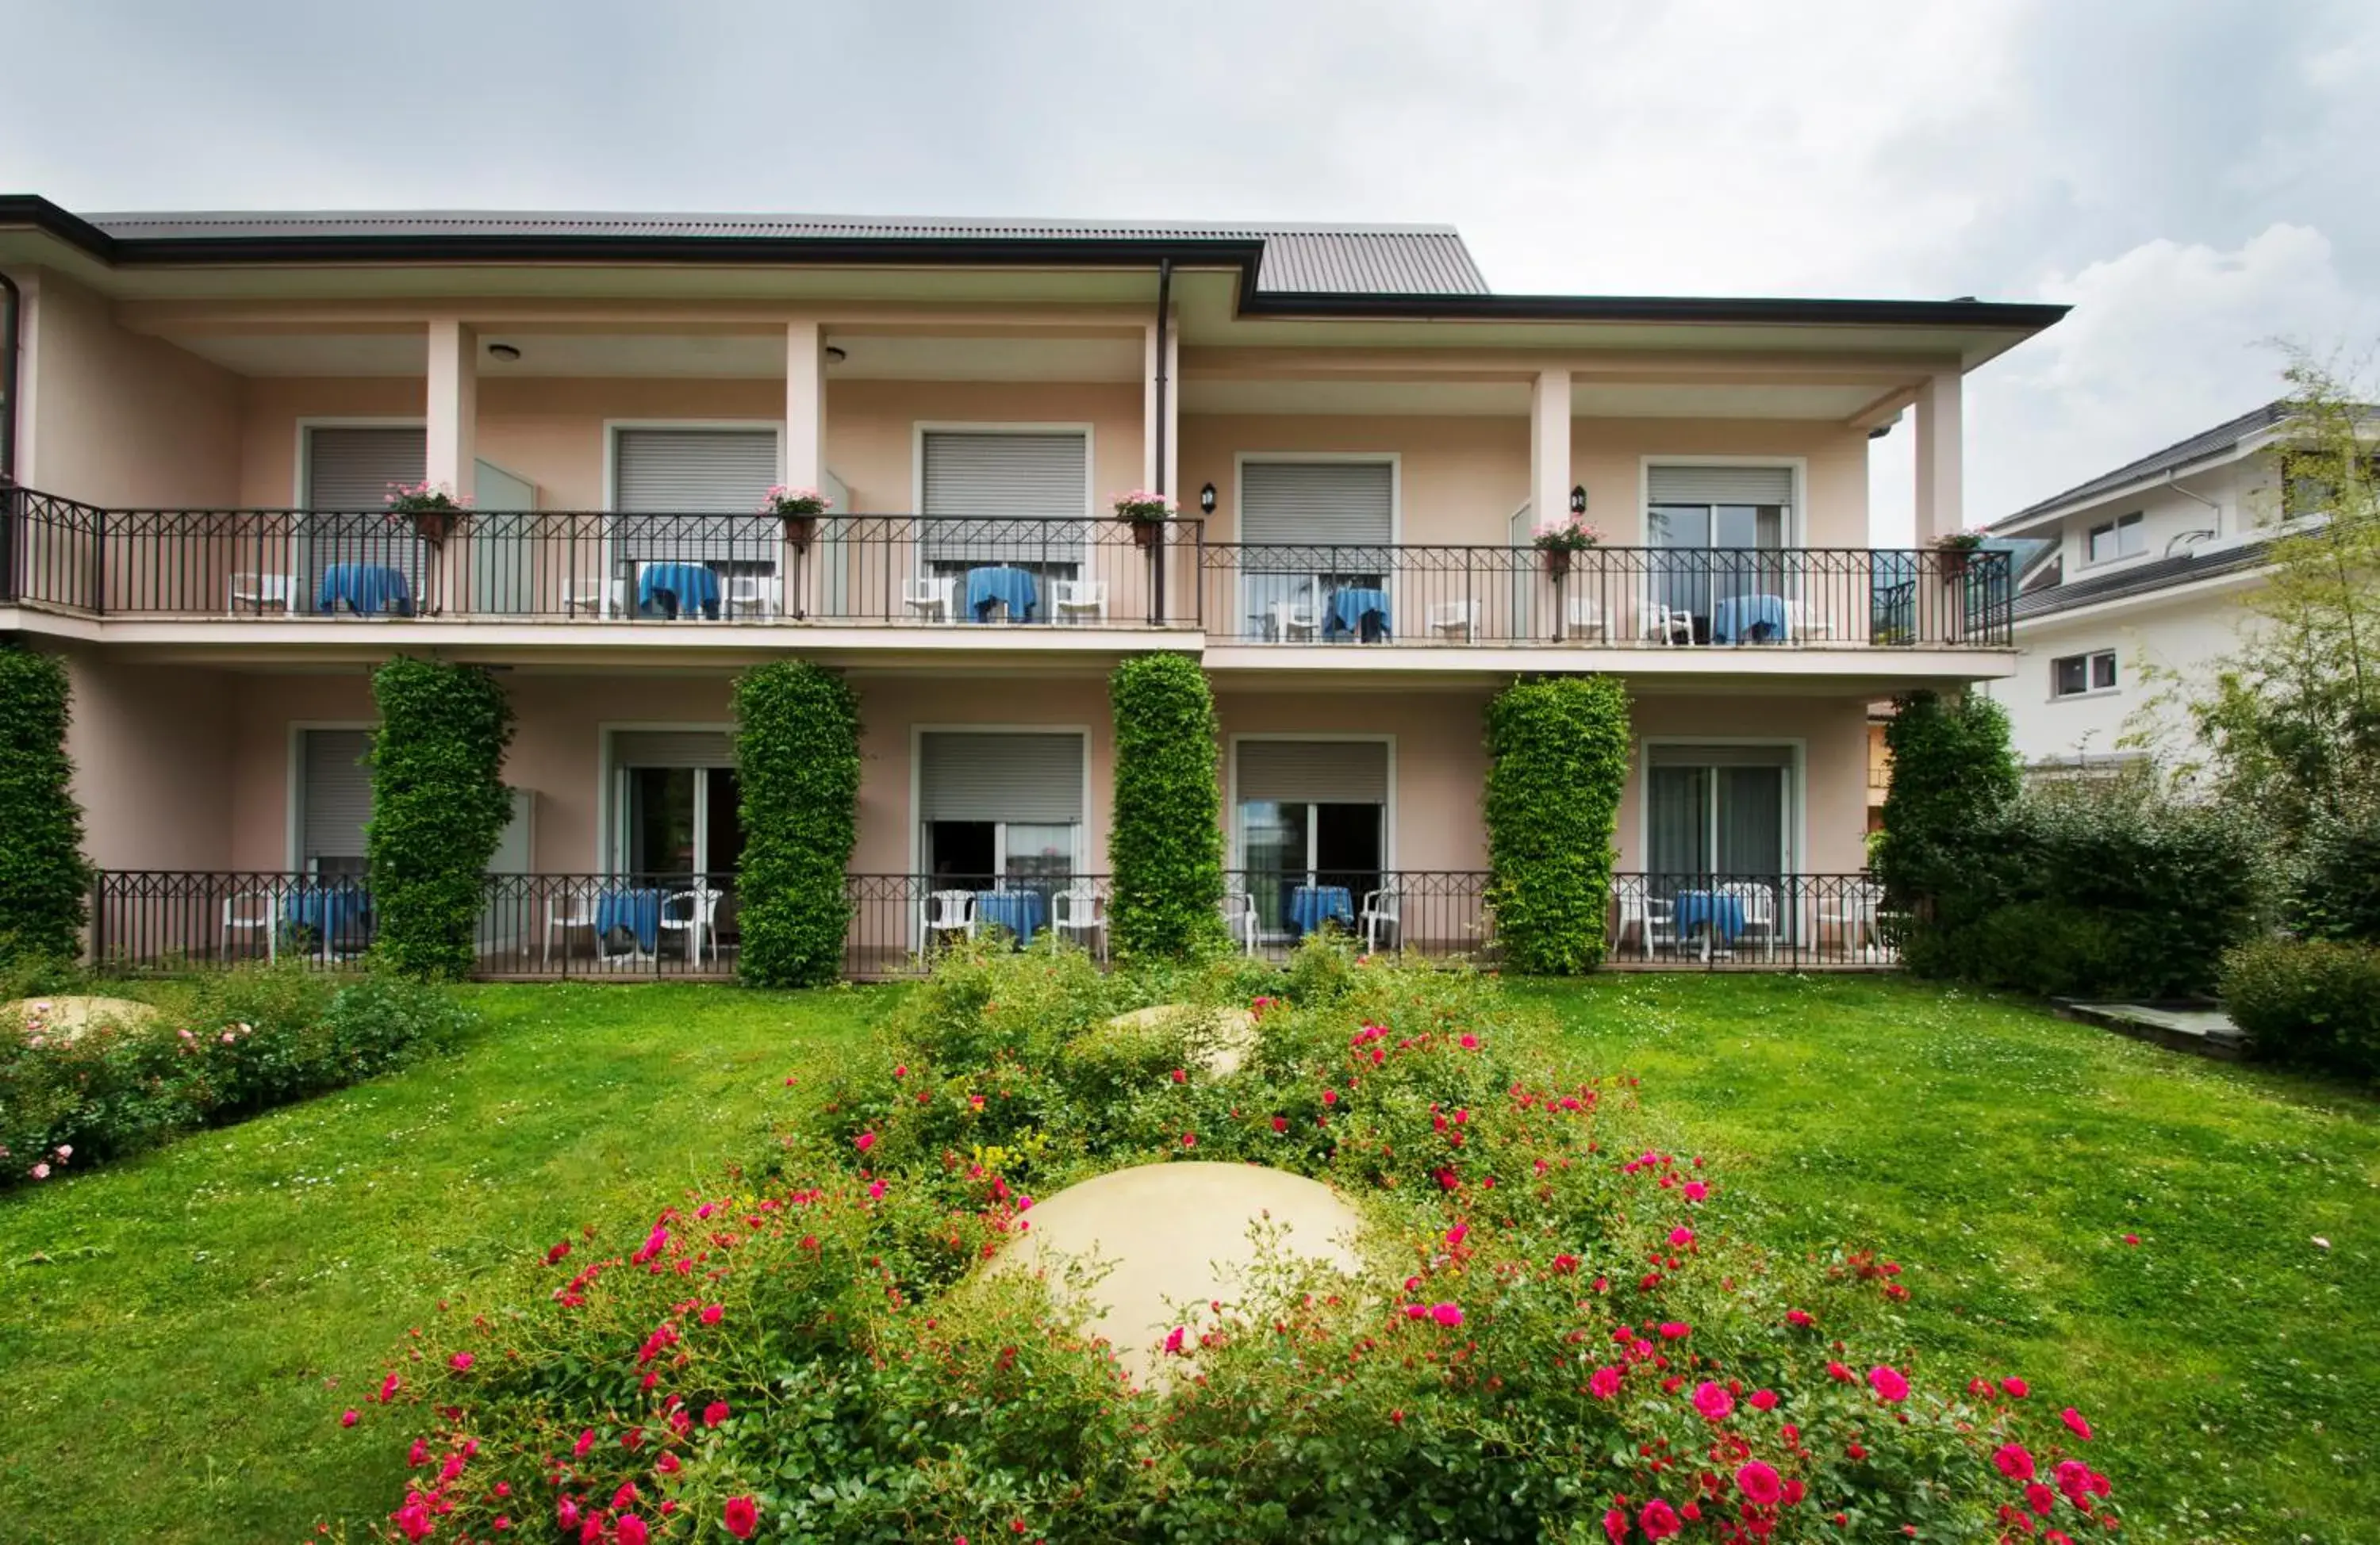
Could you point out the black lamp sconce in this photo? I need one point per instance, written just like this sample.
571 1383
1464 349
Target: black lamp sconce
1206 499
1578 499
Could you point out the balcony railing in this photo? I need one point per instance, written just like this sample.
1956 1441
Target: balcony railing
1605 596
838 571
630 927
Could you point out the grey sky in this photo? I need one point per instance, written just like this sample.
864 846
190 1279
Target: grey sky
2192 174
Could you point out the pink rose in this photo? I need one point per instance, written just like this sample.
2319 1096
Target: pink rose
1763 1400
461 1362
741 1516
2014 1462
1447 1315
2074 1419
710 1314
1174 1341
1712 1400
1759 1484
1888 1383
864 1141
1659 1520
347 1418
1604 1382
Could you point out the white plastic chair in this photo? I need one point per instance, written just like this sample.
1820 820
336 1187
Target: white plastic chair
601 597
1378 913
1649 923
935 598
1454 617
1758 904
1582 618
247 914
1078 598
1668 625
1807 619
753 594
258 591
698 923
1240 918
1075 912
949 912
572 909
1849 914
1289 620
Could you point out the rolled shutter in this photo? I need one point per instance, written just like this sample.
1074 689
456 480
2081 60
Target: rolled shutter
1347 503
673 748
978 777
1720 485
1720 755
1005 497
721 473
351 469
1314 772
337 792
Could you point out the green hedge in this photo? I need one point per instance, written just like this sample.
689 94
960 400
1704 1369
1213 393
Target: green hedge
1952 771
2312 1001
439 810
1558 763
797 766
45 884
1166 843
2333 891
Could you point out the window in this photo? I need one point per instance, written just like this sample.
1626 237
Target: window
1001 811
675 807
2125 537
998 499
335 800
1311 814
1310 530
2073 675
1720 529
1718 812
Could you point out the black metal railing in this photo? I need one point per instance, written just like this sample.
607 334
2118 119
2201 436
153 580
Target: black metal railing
1439 913
1777 922
1606 597
855 571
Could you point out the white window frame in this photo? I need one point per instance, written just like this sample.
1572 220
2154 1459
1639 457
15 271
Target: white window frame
917 733
1238 834
612 815
2090 659
2134 520
1796 516
1797 801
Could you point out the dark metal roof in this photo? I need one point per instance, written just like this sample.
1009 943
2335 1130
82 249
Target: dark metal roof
2158 573
1320 260
2225 437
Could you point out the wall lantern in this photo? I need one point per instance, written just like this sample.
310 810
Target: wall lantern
1206 499
1578 499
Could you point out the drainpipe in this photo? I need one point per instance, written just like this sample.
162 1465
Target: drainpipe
2169 475
1157 607
8 500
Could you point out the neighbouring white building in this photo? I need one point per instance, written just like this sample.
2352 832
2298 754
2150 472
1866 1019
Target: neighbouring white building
2136 571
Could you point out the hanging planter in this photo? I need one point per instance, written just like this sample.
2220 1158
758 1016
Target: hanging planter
430 509
800 510
1146 513
1953 552
1557 542
1557 561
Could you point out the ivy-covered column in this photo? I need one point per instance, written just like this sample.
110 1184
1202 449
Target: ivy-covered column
45 884
797 766
1558 764
439 810
1166 844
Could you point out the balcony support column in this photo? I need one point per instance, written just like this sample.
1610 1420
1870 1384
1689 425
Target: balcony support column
1940 474
1550 480
805 445
451 424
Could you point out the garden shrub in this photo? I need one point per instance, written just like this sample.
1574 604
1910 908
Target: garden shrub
1952 772
797 766
2310 1001
439 810
45 883
2333 891
1559 1335
227 1046
1557 765
1166 840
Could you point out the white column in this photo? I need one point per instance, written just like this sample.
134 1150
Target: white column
1151 475
1549 478
1940 475
452 407
806 406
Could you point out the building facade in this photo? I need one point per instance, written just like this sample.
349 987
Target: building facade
1361 437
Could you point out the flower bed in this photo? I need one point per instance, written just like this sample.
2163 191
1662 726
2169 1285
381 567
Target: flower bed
1558 1336
73 1094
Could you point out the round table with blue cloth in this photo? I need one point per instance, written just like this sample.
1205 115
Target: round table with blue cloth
1358 611
338 913
1022 913
1001 584
1749 619
1721 914
366 589
1311 906
678 590
636 909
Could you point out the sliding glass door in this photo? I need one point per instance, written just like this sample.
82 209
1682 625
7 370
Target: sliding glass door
1717 813
1722 532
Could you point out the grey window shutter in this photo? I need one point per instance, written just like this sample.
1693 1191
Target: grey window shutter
725 473
351 469
672 748
980 777
1720 755
1720 485
1000 497
337 790
1347 503
1314 772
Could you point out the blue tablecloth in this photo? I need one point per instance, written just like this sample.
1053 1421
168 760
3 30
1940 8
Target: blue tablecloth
1723 916
1011 587
677 589
638 911
1311 906
338 912
1350 607
1019 911
366 588
1749 619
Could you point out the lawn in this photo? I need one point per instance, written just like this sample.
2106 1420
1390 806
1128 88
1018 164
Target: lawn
183 1330
2230 1361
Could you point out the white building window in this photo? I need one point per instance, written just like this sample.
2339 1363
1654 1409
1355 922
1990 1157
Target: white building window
2125 537
2074 675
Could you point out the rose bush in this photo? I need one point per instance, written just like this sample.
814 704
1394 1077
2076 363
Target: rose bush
1559 1335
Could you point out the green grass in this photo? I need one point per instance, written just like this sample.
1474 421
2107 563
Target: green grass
182 1331
2230 1363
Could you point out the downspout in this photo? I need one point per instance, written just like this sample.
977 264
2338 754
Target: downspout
2169 475
1157 607
9 515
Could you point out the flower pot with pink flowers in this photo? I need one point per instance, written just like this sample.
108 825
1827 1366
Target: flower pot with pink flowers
1146 513
1955 550
430 509
799 509
1560 540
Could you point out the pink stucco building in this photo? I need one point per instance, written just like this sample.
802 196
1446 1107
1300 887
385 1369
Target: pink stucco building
1360 434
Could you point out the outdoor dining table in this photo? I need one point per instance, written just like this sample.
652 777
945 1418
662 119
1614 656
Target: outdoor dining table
368 589
1005 585
1755 619
678 590
1311 906
1714 914
636 910
1022 913
1355 606
338 911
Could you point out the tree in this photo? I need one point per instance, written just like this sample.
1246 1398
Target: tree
1952 770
